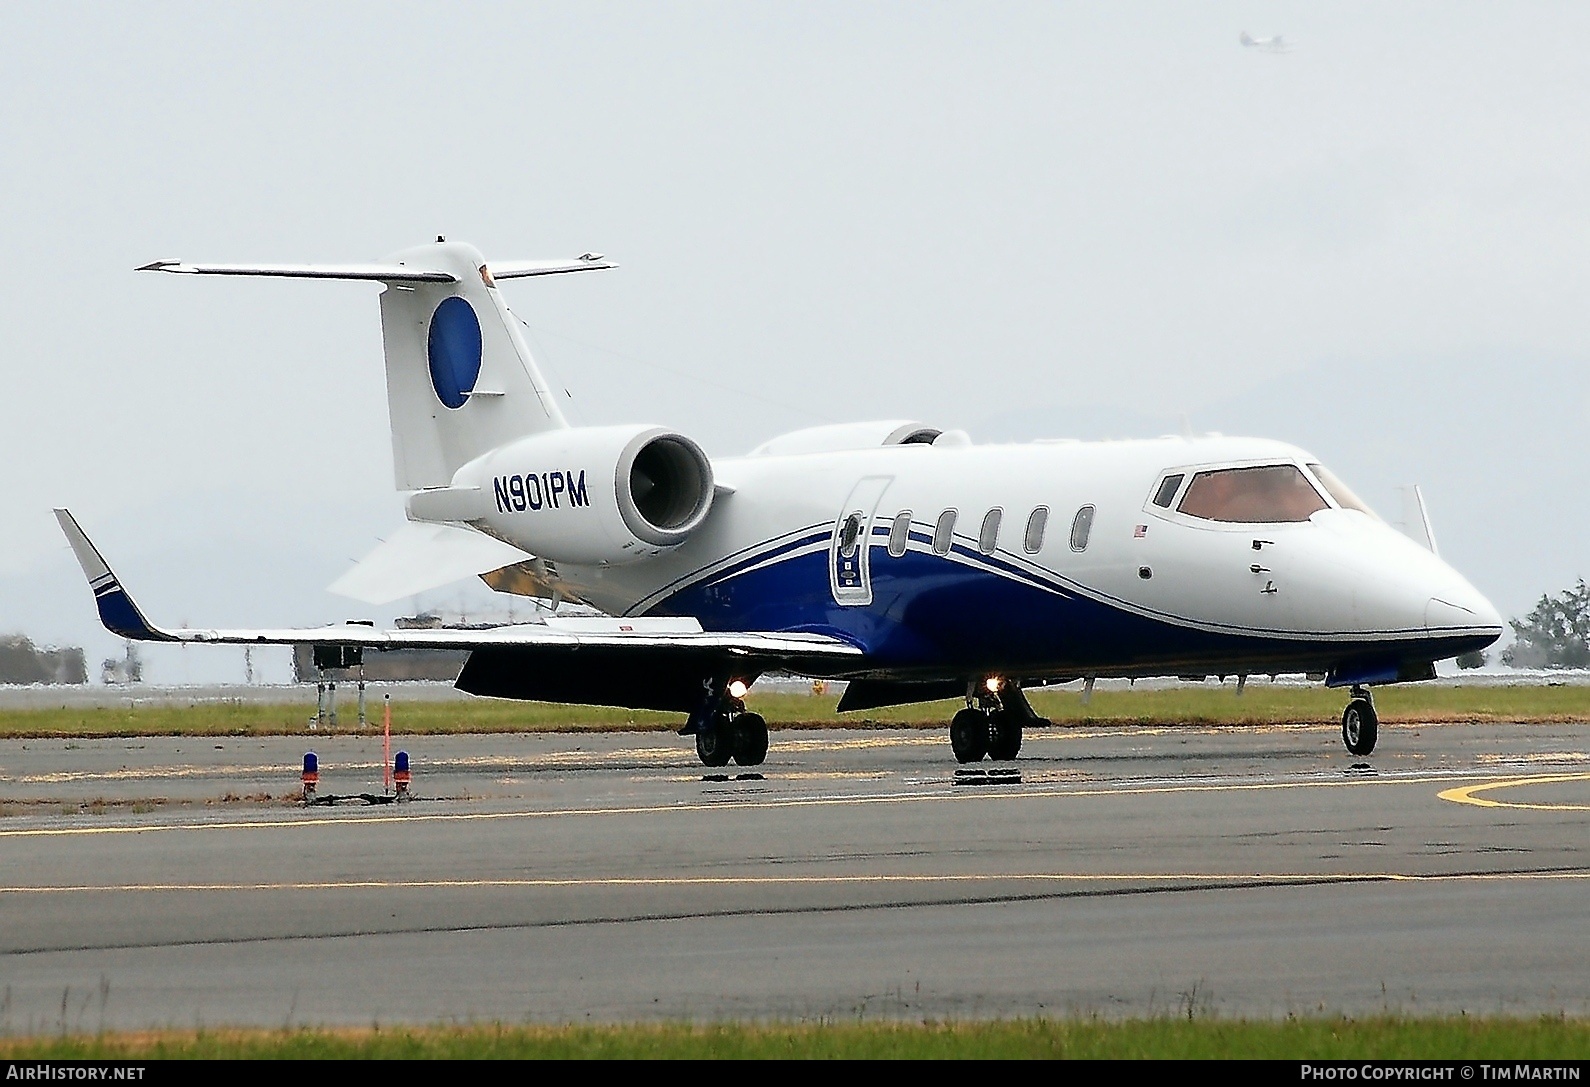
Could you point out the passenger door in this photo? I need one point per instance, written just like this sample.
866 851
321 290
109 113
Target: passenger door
850 546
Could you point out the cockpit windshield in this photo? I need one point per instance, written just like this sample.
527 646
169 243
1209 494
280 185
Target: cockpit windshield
1343 494
1267 494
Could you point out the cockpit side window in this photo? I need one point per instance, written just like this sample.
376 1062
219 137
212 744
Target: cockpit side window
1167 490
1343 494
1267 494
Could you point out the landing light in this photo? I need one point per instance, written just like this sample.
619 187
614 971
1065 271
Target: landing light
993 683
737 689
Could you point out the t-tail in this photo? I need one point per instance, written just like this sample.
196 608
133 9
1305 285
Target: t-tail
478 440
460 379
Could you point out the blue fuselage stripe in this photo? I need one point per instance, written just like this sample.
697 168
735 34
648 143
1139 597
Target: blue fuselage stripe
969 612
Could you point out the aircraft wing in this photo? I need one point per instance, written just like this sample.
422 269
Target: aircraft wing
632 638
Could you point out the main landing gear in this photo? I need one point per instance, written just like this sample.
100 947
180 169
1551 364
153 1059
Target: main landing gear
991 722
727 731
1360 725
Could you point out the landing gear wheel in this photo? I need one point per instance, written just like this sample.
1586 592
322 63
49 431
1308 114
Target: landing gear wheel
715 741
1004 735
750 739
969 735
1360 726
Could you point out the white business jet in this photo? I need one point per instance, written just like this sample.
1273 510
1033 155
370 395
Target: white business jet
897 556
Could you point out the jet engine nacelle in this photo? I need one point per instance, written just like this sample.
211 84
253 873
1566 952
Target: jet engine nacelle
584 495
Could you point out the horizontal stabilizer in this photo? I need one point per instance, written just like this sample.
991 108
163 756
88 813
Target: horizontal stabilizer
383 272
418 557
519 269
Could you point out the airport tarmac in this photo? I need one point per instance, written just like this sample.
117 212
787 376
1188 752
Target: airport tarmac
1130 871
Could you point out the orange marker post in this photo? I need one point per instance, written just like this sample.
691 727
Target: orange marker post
386 745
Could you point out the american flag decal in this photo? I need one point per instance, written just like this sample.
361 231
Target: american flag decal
1139 532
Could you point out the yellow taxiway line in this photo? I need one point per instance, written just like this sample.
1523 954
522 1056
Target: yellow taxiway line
1466 794
1224 878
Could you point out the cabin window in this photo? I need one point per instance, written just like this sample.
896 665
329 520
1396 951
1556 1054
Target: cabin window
1081 528
1343 494
900 533
944 533
1032 542
849 534
988 538
1167 491
1270 494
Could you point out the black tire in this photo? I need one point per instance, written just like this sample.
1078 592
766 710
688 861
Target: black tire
750 739
1004 735
969 735
715 741
1360 726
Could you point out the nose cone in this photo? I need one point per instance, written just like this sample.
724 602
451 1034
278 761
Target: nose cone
1457 608
1398 587
1442 613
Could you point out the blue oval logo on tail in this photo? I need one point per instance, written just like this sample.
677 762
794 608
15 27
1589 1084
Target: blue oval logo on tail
454 350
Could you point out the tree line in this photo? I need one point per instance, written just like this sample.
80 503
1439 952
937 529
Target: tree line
1556 634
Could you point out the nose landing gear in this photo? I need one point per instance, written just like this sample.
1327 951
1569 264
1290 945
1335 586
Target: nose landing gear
1360 725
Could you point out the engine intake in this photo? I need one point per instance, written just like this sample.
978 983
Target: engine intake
664 486
585 495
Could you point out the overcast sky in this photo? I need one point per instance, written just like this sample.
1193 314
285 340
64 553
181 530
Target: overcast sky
1018 219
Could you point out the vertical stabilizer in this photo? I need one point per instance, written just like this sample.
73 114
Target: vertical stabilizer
459 379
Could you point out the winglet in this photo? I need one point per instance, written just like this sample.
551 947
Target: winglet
116 609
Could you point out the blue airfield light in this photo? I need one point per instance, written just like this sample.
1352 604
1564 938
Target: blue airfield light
311 774
400 772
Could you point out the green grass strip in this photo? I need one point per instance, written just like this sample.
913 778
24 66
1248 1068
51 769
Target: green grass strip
1386 1037
1261 704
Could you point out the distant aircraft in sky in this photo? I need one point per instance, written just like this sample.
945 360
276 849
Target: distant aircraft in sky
893 554
1275 44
